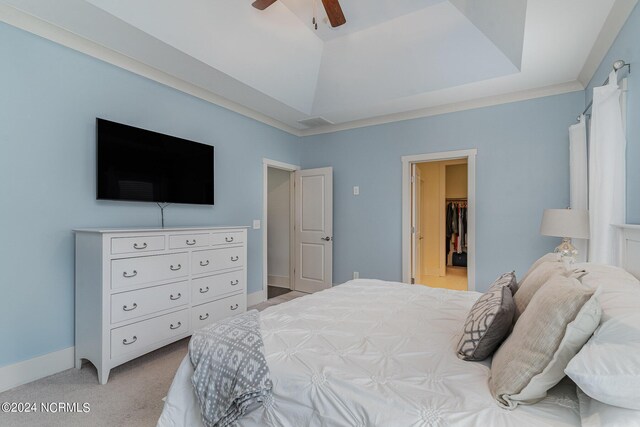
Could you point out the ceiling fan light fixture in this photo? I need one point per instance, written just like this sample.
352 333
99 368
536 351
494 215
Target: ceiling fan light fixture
332 7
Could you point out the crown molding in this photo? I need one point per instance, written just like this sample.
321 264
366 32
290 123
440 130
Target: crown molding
41 28
573 86
613 24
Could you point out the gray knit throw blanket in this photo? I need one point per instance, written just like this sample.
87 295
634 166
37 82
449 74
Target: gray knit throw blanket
231 374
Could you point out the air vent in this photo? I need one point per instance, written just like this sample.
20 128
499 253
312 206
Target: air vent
314 122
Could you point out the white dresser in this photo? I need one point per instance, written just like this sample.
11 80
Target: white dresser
140 289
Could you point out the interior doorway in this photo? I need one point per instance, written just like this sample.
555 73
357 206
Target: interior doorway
438 205
439 223
278 224
279 232
297 240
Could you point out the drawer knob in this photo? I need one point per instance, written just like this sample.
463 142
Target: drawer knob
205 317
134 274
191 242
143 246
175 268
172 298
134 339
228 239
204 264
205 290
234 282
175 327
133 307
235 258
234 307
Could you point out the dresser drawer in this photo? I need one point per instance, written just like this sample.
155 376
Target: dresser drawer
229 238
125 245
216 259
205 314
207 288
135 271
181 241
132 338
129 305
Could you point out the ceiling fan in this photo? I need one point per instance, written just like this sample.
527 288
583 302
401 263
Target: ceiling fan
334 11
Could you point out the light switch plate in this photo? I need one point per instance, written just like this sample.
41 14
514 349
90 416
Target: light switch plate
356 190
256 224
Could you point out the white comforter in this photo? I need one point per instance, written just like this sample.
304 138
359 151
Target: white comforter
373 353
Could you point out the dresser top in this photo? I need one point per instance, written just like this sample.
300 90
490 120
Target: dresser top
153 229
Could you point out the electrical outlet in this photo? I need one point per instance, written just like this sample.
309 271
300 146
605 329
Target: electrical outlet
356 275
256 224
356 190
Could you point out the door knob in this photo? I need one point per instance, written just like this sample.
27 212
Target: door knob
326 239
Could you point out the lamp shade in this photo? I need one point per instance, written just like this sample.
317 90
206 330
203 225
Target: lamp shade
573 223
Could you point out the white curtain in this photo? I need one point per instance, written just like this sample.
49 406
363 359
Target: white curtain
578 177
607 185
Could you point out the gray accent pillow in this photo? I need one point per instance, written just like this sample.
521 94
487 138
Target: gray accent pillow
511 278
489 320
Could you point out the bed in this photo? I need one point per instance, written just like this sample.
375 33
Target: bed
374 353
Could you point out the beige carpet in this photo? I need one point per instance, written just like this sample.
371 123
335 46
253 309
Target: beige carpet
132 397
278 300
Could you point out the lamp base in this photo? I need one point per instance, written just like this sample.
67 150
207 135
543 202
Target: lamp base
567 251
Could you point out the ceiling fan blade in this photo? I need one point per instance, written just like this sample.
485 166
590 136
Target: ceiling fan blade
334 12
263 4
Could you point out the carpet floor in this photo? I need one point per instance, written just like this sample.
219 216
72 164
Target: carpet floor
132 396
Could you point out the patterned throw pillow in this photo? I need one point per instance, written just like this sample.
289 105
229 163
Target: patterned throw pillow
489 320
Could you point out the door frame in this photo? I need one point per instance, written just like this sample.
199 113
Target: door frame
266 164
407 161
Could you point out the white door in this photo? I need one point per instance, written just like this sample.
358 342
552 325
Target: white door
418 224
314 229
415 219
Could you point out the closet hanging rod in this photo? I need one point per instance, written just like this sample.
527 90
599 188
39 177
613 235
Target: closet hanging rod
617 65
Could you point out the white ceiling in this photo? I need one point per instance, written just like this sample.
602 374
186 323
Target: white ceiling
392 60
360 14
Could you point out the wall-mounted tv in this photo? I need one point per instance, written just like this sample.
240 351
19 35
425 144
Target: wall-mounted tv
139 165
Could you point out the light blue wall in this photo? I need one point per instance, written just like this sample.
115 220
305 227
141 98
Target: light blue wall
522 167
627 47
49 99
50 96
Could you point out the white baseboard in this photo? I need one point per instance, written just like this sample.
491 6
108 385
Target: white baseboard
255 298
279 281
33 369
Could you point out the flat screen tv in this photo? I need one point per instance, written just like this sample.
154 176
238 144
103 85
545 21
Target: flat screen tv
139 165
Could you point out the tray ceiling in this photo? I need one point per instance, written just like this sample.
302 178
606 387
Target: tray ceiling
391 58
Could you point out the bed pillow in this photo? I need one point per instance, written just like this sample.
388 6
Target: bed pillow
608 366
560 318
489 320
534 281
550 257
594 413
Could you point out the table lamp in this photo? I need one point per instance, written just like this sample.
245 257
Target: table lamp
568 224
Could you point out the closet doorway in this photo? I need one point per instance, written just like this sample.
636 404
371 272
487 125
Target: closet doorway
438 216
